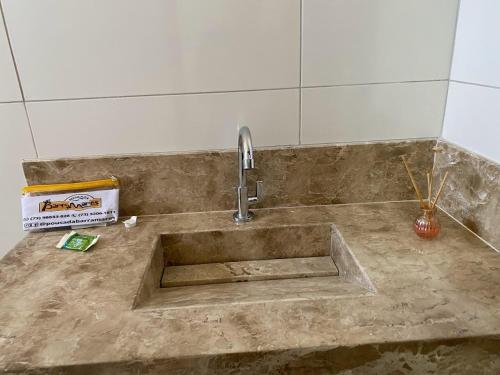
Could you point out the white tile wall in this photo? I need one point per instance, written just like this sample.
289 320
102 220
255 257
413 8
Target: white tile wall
473 111
161 75
164 123
9 88
95 48
363 41
473 119
15 144
477 47
372 112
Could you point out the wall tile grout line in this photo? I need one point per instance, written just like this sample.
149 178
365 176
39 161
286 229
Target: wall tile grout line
159 94
12 102
300 69
375 83
228 91
475 84
18 79
11 50
31 130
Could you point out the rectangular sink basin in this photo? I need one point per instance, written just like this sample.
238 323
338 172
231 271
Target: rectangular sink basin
217 257
244 265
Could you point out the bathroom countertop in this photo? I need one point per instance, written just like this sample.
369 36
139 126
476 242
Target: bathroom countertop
68 312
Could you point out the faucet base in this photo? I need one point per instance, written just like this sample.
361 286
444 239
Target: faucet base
238 219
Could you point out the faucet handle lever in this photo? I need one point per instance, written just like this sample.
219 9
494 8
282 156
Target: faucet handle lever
259 187
259 192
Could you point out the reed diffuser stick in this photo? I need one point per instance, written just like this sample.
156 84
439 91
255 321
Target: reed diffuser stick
430 185
436 150
429 189
417 190
440 190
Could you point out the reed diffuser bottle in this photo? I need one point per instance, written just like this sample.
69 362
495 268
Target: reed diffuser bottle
426 224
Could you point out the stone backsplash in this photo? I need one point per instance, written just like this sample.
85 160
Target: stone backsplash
205 181
472 193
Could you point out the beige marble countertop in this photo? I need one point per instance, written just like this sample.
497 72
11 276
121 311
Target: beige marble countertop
73 312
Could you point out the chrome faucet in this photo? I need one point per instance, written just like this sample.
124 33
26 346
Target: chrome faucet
245 162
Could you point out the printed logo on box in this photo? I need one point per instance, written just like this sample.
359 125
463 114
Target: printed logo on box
70 210
76 202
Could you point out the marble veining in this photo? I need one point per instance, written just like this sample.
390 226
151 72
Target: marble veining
435 307
205 181
472 193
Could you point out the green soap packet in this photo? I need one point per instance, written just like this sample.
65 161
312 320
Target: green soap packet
77 242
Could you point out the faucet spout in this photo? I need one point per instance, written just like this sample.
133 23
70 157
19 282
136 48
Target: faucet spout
245 162
245 148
